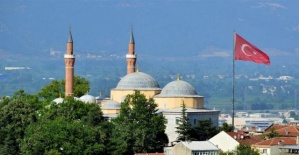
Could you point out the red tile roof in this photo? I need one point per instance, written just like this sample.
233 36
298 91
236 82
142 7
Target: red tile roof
245 138
277 141
286 131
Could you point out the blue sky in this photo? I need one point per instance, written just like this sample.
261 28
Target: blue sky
168 28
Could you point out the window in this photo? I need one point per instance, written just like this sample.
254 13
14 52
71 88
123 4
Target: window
194 121
264 150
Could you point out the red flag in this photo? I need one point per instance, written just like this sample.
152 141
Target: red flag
248 52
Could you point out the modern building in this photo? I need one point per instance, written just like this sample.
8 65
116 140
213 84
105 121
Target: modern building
228 141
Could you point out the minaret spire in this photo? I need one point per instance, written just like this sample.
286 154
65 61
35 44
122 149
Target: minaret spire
131 57
69 59
132 37
70 40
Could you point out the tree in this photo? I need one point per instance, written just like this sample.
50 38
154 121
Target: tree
138 128
15 116
184 128
71 127
63 136
204 130
227 128
241 150
272 134
56 88
245 150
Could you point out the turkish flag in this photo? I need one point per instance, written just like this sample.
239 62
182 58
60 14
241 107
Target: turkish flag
244 50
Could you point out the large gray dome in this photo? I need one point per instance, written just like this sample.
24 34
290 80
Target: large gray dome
111 105
178 88
138 81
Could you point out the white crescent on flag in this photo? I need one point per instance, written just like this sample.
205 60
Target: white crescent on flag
242 48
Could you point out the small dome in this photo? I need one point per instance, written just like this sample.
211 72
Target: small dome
58 100
178 88
88 99
111 105
138 81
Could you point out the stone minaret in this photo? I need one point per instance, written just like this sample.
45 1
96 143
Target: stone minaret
69 59
131 57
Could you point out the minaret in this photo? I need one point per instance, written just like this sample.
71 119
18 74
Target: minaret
131 57
69 59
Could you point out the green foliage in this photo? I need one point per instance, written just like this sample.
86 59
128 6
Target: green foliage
62 136
15 115
56 88
227 128
245 150
71 127
184 128
138 128
72 109
241 150
203 130
272 134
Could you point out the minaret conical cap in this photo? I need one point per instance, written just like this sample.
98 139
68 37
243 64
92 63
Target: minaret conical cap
70 39
132 37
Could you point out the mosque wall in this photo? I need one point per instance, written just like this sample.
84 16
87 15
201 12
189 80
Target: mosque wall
176 102
110 111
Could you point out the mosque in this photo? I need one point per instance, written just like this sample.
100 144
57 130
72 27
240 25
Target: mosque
169 98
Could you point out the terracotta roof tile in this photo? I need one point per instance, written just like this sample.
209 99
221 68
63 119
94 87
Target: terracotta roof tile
286 131
277 141
245 138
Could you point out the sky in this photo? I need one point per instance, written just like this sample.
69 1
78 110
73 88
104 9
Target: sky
162 28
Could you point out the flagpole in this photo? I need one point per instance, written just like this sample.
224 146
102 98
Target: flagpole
233 83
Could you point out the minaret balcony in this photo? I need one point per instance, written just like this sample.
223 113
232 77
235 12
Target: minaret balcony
69 56
130 56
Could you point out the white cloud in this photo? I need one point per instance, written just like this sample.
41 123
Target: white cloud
271 5
276 52
213 51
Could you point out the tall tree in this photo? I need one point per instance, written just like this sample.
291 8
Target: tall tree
227 128
15 116
204 130
71 127
63 136
56 88
184 128
138 128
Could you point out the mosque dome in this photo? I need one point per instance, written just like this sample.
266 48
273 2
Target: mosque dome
111 105
88 99
138 81
58 100
178 88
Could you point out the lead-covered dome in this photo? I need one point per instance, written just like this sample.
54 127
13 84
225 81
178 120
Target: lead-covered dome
138 81
88 98
58 100
111 105
178 88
